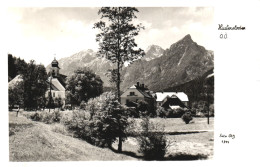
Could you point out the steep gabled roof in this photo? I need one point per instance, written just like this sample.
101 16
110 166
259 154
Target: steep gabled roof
144 91
15 80
162 95
52 86
133 87
56 84
145 94
173 101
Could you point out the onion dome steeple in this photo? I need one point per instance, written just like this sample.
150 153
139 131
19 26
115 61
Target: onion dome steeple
55 68
55 63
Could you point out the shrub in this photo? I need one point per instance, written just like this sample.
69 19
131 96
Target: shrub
178 113
171 113
103 121
152 144
132 112
142 107
56 116
82 105
59 128
193 112
187 117
46 117
109 121
77 123
161 112
35 117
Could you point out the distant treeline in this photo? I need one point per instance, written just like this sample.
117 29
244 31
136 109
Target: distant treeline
30 92
16 66
199 89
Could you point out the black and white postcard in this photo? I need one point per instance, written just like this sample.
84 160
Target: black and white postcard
166 82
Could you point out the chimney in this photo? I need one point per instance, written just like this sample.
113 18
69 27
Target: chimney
137 84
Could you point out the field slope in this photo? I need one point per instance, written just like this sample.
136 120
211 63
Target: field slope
35 141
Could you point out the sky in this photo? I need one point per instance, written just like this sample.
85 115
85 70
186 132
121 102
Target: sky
44 33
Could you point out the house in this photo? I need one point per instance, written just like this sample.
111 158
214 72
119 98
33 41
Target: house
56 82
136 93
162 96
172 102
167 100
15 81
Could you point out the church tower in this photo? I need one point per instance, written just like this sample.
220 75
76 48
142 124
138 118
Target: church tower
55 68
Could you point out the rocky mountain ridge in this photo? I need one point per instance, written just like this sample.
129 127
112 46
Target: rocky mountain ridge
159 69
184 61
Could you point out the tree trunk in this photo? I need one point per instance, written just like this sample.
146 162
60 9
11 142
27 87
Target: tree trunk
208 106
119 144
120 141
118 59
118 82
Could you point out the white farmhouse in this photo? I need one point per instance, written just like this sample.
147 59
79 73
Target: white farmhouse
161 96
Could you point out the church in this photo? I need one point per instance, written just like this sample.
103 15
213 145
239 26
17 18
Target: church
56 82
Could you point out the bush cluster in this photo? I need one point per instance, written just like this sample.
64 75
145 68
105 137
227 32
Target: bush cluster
59 128
187 117
152 141
170 113
46 117
141 109
201 109
78 124
101 123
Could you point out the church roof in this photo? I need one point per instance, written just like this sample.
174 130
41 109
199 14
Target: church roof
53 87
55 63
56 84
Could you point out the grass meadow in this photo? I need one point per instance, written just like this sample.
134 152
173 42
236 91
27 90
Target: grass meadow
40 142
37 141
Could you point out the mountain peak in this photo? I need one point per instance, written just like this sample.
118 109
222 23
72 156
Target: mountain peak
152 52
187 38
183 62
86 51
182 43
152 47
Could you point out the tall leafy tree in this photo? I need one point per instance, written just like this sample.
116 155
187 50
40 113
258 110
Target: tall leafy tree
11 67
16 66
83 85
35 85
15 94
116 39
